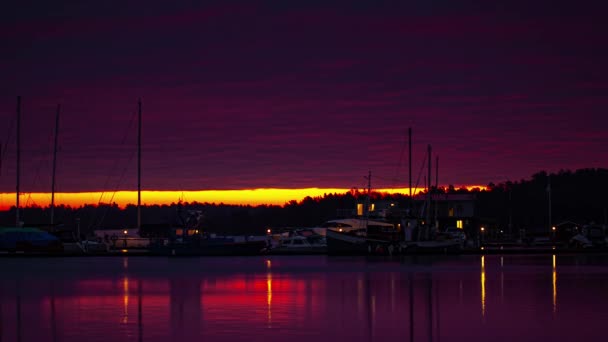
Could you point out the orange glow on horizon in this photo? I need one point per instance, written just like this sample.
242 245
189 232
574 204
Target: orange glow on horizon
264 196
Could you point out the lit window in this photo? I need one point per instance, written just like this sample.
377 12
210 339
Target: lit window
360 209
451 212
459 224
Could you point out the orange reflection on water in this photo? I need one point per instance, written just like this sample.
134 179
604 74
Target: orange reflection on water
483 286
554 281
125 300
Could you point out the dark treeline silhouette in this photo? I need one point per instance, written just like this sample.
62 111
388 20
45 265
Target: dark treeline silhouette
579 196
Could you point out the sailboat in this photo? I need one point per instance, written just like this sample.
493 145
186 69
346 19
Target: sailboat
19 238
360 235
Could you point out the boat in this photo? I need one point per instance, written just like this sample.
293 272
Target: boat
209 245
189 239
360 236
300 242
28 240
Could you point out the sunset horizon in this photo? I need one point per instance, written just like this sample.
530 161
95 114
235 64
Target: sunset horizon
253 197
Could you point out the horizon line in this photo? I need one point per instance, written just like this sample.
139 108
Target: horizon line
123 198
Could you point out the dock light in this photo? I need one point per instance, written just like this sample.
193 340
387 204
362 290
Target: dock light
268 231
339 229
124 232
482 229
553 228
196 231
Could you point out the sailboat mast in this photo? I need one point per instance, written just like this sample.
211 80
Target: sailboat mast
436 187
428 190
369 198
139 165
409 133
54 165
18 222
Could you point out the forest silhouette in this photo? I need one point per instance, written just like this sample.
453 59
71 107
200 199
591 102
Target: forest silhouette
577 196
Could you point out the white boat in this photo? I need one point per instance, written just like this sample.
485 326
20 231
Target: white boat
298 244
359 236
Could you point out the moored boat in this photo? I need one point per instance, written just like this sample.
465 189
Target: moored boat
299 244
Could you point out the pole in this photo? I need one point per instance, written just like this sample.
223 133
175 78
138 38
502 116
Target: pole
428 193
549 195
54 165
369 196
139 166
18 221
410 164
436 187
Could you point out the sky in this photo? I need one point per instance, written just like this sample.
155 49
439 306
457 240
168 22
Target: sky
300 94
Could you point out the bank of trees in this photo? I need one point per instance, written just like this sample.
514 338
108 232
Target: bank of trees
579 196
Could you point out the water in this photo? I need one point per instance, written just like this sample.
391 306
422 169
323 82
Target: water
305 298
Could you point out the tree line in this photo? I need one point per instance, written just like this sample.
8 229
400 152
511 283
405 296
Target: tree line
579 196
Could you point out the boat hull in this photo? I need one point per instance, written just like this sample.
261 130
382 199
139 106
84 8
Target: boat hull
212 249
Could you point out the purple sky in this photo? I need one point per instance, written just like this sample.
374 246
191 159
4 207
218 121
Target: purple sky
280 94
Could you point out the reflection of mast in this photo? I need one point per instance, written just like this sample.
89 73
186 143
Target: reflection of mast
53 315
411 307
430 295
140 325
18 325
371 308
1 328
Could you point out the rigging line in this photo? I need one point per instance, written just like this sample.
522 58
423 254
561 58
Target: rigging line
4 146
116 162
42 162
421 170
116 189
106 184
403 147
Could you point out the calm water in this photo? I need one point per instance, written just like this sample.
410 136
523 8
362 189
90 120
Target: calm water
470 298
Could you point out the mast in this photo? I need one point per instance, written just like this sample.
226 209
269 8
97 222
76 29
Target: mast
54 165
369 195
17 220
436 189
139 165
428 192
549 195
409 131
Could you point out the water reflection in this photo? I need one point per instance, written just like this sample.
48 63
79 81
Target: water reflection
554 282
483 286
269 292
300 299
